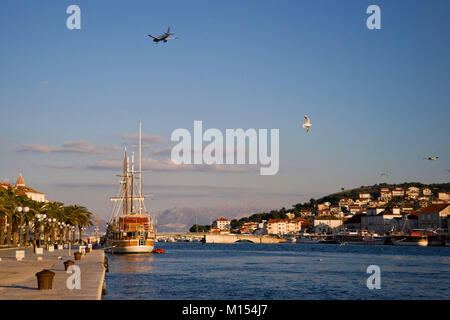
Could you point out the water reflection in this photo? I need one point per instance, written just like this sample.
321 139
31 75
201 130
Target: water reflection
131 263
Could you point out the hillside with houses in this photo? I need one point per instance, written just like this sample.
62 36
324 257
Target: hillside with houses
380 208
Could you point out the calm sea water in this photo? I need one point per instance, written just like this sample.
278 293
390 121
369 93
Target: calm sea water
279 271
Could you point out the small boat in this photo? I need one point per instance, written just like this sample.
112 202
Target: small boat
374 239
307 238
413 239
350 238
159 251
291 239
328 239
435 238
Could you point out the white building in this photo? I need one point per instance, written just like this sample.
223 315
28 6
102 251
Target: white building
398 192
382 222
413 192
434 216
222 223
444 196
22 188
326 224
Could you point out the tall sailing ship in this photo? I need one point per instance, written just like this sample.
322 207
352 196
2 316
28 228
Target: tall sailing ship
131 229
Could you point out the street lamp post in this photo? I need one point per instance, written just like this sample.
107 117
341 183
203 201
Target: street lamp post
70 242
21 211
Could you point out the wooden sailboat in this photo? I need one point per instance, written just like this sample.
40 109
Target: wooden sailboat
131 229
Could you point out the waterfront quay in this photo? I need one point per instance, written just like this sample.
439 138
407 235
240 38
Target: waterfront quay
18 279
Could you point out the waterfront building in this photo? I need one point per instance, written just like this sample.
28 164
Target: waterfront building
426 192
364 195
216 230
374 211
276 226
222 223
327 224
353 223
381 222
249 227
434 216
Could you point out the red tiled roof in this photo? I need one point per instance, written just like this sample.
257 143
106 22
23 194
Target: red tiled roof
27 189
434 208
277 220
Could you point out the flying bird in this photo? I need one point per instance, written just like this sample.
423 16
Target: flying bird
307 124
384 175
431 158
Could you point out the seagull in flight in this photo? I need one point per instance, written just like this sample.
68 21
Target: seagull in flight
307 124
431 158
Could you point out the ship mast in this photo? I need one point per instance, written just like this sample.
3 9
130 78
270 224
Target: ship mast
132 182
140 169
125 177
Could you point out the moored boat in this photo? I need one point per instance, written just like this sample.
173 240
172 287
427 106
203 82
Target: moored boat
329 239
131 228
412 239
436 240
307 238
374 239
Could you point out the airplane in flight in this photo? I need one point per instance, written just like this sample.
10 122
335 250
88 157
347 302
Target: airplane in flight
164 37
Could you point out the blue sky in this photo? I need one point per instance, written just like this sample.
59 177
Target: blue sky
378 99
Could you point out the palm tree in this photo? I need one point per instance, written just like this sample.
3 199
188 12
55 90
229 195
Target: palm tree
3 217
74 215
55 213
9 204
79 217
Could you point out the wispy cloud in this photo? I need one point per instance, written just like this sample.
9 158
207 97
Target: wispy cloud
62 166
79 146
165 152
